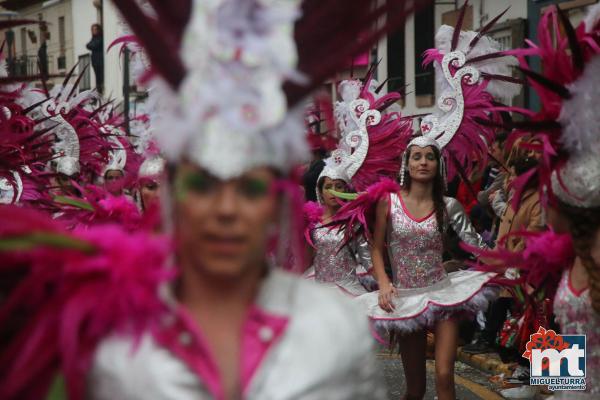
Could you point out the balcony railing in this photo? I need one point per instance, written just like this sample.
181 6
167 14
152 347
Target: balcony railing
26 66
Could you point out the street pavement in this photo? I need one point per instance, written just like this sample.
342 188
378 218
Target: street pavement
471 384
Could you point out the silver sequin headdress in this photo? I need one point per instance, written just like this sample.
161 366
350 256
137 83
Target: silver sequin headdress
469 86
354 115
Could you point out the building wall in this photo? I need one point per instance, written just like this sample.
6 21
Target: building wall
113 65
78 15
83 14
482 12
51 15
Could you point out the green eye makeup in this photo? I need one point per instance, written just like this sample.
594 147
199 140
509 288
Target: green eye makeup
193 182
254 188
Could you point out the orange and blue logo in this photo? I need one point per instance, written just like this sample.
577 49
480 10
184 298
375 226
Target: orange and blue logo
556 360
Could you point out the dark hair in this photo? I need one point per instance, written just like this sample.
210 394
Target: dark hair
309 180
108 170
99 27
320 184
523 164
439 189
583 225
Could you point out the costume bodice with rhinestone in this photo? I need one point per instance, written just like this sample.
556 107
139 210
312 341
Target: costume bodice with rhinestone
332 261
575 315
414 246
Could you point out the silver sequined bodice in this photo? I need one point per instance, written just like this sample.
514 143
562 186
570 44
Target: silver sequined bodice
334 262
575 315
415 248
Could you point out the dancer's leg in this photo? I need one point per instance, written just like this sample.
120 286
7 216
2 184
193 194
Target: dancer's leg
446 342
412 351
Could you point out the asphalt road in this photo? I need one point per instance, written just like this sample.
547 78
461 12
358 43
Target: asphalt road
471 384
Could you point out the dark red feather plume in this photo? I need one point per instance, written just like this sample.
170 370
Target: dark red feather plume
557 88
576 51
486 57
161 45
458 27
485 29
67 79
503 78
76 84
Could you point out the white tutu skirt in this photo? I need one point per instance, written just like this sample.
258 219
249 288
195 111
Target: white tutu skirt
461 294
351 286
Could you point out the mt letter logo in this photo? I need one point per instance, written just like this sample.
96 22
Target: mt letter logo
556 360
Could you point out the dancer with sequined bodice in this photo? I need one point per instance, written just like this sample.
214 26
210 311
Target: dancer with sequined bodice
335 263
577 310
370 142
411 225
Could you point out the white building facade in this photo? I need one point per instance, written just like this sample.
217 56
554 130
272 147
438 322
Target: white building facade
65 31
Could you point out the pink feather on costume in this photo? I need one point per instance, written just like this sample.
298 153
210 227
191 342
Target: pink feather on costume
23 151
75 298
387 142
93 145
472 139
545 256
563 58
288 244
361 211
106 209
319 113
387 139
123 40
313 212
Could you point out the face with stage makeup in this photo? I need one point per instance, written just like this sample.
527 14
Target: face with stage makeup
149 192
114 181
423 163
65 183
326 184
223 227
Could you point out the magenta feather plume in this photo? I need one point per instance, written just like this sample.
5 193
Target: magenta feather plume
563 51
356 216
313 212
73 299
387 142
471 141
320 114
545 256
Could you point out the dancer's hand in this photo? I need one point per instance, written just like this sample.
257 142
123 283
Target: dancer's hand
387 292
